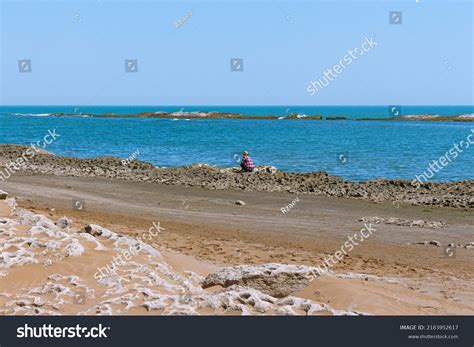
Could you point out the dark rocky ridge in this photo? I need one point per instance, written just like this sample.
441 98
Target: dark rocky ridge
452 194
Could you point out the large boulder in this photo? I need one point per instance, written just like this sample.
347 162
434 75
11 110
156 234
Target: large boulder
277 280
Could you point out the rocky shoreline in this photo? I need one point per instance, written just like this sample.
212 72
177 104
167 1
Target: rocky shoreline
459 195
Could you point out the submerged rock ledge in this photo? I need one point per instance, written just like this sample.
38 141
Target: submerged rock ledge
269 179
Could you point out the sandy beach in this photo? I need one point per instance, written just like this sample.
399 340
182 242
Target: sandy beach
268 240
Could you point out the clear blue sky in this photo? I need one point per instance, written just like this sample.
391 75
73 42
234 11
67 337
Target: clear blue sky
77 51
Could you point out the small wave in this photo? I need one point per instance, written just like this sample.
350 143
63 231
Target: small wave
31 114
467 115
421 116
175 119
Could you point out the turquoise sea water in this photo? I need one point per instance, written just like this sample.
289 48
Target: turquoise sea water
355 150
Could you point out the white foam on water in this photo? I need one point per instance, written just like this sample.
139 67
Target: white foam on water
421 116
31 114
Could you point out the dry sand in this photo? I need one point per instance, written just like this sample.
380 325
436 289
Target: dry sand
205 230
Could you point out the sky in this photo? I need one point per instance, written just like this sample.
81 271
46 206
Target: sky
76 51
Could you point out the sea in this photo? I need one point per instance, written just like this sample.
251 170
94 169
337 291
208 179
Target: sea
353 149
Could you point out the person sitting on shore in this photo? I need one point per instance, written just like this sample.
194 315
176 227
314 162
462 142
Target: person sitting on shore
247 164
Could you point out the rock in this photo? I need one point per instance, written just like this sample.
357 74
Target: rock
419 243
403 222
3 195
374 220
469 245
277 280
432 243
418 223
64 222
240 202
74 249
435 225
268 168
93 231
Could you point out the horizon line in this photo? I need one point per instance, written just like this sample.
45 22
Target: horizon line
230 105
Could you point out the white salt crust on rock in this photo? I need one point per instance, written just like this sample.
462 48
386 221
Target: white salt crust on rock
278 280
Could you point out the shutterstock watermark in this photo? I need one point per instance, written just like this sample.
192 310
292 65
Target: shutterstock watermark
435 167
331 73
50 331
27 154
347 247
182 20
